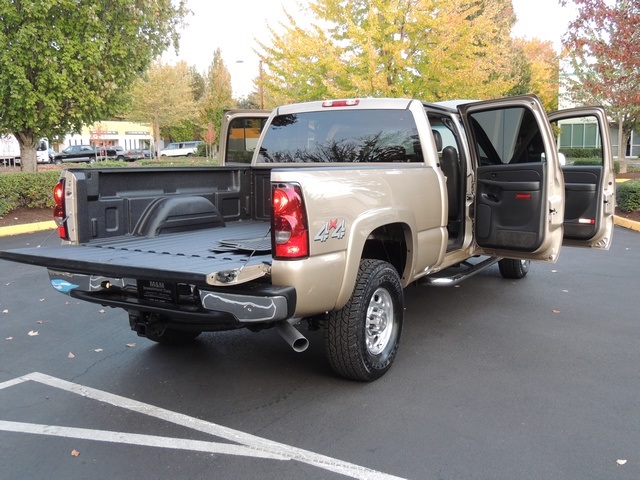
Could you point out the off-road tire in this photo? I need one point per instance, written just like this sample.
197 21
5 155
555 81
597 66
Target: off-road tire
361 339
513 269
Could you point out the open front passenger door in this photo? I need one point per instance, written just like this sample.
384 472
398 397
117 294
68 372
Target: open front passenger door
239 135
589 182
519 189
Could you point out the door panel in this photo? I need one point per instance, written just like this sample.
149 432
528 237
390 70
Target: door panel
589 182
519 189
509 208
581 202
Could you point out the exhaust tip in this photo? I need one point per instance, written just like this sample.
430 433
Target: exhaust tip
292 336
300 345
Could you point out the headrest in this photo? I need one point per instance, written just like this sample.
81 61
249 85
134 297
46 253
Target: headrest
438 138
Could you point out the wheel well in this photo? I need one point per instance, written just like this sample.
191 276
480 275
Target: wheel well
388 243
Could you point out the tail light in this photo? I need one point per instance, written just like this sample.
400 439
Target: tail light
290 236
59 214
340 103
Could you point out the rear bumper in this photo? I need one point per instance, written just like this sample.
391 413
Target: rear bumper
250 303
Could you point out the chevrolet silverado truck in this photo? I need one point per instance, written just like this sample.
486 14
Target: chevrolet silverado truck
345 203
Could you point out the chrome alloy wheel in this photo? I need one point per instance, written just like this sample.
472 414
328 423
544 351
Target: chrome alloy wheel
379 322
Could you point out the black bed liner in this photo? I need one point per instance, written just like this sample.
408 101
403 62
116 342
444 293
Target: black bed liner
186 257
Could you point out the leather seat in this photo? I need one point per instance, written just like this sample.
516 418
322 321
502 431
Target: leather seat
451 168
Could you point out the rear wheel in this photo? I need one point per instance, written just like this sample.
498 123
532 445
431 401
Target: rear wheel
512 268
362 338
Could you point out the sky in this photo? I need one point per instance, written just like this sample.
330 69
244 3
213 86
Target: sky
234 27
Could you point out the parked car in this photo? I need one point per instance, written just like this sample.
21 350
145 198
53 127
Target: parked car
113 152
181 149
134 154
76 153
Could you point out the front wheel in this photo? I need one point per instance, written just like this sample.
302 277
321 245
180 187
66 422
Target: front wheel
361 339
515 269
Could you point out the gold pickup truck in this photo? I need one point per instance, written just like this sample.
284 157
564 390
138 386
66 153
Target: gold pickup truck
343 204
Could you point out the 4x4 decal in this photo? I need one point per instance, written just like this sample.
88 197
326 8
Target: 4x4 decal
331 229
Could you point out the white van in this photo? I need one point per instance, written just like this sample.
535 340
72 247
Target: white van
181 149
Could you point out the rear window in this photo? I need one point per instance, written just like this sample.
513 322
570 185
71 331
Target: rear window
342 136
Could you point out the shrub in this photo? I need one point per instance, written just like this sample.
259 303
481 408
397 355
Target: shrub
202 150
586 161
628 195
23 189
582 152
590 161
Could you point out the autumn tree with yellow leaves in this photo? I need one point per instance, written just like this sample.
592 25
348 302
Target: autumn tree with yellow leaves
537 67
427 49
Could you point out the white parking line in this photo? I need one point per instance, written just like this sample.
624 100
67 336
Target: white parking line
251 445
136 439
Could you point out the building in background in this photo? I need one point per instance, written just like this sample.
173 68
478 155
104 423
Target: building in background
585 134
108 133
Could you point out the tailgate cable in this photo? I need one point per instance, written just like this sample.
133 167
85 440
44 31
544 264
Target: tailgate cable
52 232
227 276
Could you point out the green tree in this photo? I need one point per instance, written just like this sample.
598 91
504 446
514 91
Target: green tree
603 51
198 84
163 97
429 49
217 97
66 63
188 128
252 101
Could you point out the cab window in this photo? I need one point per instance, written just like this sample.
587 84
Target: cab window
358 136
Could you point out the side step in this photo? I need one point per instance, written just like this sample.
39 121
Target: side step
466 269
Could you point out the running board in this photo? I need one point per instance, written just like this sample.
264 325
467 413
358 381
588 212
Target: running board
468 270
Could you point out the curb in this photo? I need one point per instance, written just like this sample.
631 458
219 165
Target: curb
626 223
27 228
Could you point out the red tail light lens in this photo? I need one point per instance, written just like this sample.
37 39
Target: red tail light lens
290 236
59 214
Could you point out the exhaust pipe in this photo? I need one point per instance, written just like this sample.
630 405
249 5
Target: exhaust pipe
292 336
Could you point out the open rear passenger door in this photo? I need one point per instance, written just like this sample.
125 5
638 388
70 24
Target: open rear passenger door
519 190
589 182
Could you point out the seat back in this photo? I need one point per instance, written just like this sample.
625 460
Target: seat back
451 168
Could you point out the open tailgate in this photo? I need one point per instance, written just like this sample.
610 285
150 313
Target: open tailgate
201 257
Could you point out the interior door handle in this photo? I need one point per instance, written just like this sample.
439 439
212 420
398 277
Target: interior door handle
522 186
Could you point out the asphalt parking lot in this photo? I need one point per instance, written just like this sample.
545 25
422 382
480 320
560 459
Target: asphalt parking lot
496 379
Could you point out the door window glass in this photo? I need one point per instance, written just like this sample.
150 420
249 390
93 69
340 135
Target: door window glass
579 141
507 136
242 138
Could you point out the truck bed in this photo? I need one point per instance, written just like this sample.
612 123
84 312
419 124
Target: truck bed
199 257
